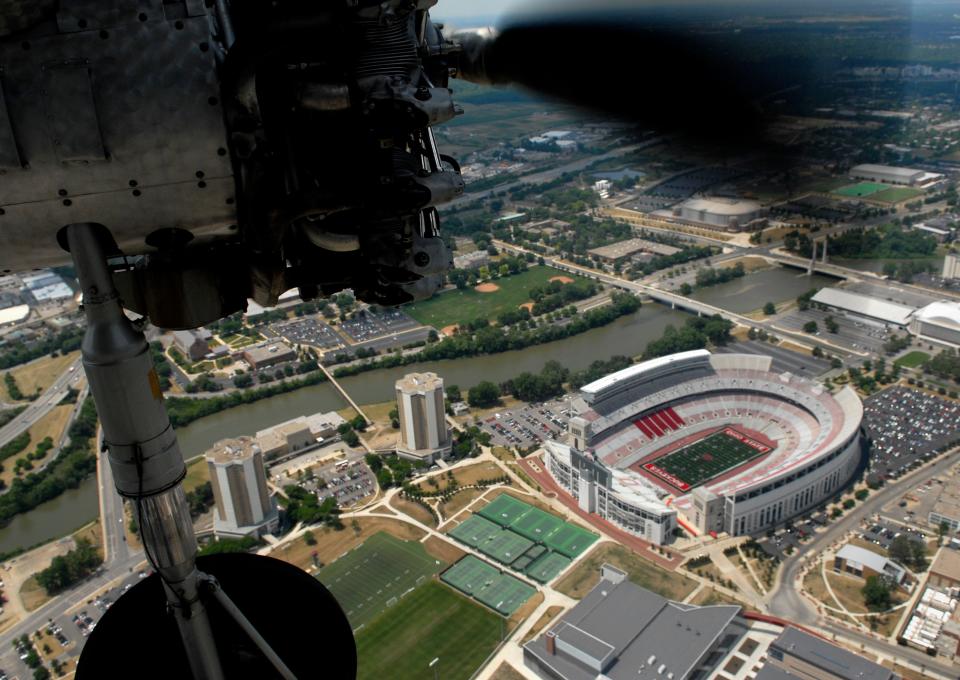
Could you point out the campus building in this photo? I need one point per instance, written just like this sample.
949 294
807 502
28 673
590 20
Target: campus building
266 356
424 433
194 343
244 506
733 214
939 321
865 563
620 631
710 442
888 174
298 434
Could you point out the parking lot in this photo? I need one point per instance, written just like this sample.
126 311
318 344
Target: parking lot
789 539
857 334
883 532
366 325
348 480
528 425
69 631
907 427
310 331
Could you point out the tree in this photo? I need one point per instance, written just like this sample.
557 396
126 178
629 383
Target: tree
484 394
453 393
242 381
769 309
876 593
831 324
309 538
810 327
817 351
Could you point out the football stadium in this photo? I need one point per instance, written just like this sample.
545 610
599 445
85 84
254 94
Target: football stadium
707 442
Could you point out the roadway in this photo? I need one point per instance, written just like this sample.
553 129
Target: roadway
41 406
787 602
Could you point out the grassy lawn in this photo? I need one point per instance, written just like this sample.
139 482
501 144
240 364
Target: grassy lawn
51 425
332 544
460 306
709 596
912 359
644 573
33 595
459 501
197 473
896 195
432 622
414 510
38 375
465 476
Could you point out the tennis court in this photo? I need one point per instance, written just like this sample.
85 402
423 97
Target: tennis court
505 546
474 531
536 524
570 540
547 567
505 510
376 574
469 575
501 592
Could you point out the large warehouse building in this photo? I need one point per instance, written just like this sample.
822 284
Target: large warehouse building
710 442
888 174
733 214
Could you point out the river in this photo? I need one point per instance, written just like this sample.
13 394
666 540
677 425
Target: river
753 291
627 336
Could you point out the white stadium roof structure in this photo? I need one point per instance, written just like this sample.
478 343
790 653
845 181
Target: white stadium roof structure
873 169
874 308
14 314
941 313
718 205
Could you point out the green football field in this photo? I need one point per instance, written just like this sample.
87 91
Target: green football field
433 622
376 575
896 194
462 306
705 459
861 189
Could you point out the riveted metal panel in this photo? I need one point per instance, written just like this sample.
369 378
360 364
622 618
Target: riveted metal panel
74 126
156 97
9 156
84 15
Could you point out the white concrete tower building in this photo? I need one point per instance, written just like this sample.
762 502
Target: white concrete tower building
424 434
244 506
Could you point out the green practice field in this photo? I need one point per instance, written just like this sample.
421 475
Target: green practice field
376 575
501 592
462 306
705 459
913 359
861 189
896 194
433 622
877 192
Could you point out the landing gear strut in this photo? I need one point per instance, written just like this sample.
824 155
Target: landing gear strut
143 450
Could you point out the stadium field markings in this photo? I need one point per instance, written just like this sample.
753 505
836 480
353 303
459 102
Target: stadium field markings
706 459
433 622
381 569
